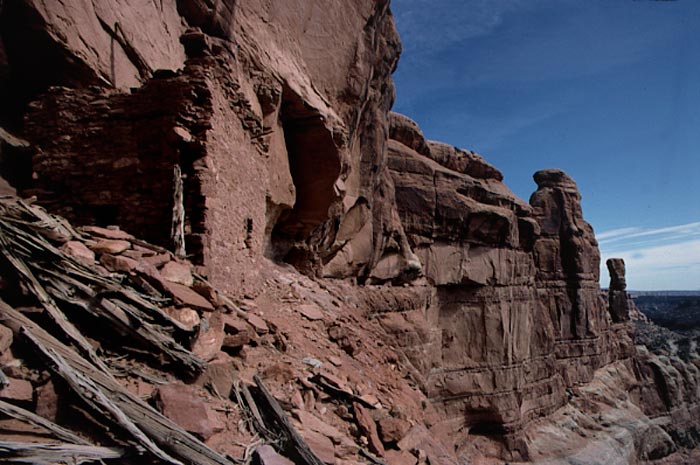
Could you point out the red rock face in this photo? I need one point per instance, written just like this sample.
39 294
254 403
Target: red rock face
568 261
306 119
260 131
517 315
492 366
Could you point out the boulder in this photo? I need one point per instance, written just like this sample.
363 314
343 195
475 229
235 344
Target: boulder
392 430
185 296
406 131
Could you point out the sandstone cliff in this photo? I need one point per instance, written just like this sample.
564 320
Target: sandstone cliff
251 136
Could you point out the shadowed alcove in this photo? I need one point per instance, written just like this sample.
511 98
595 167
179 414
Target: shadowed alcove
314 164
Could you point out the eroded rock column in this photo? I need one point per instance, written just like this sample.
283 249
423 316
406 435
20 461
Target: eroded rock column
618 300
567 260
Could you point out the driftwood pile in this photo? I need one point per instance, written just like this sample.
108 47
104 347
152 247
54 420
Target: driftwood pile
74 315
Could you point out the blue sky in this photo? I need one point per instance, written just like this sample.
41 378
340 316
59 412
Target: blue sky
608 90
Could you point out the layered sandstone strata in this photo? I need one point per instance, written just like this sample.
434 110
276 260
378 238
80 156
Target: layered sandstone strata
259 132
568 261
516 304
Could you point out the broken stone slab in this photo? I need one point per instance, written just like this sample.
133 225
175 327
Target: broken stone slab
180 134
110 246
134 254
107 233
181 404
321 445
336 382
183 295
187 316
258 323
234 325
79 251
157 260
235 341
399 457
312 362
118 262
266 455
371 399
369 428
311 311
141 388
314 423
18 389
210 337
335 360
178 273
207 291
297 400
237 332
150 273
219 375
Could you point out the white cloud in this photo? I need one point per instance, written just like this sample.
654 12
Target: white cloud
625 234
656 259
427 27
616 233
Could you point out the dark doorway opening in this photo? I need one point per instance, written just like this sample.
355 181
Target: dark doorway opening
314 163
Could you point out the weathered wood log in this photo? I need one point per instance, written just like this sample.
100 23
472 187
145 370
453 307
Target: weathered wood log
92 395
52 275
276 421
366 454
177 231
338 393
111 399
38 219
127 320
47 302
34 419
249 408
55 453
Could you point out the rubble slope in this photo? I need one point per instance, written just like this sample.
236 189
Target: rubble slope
264 259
